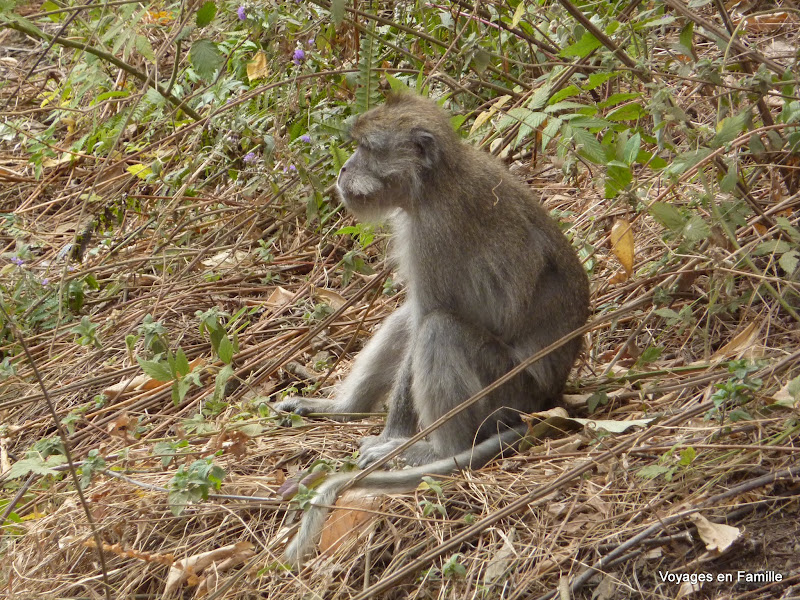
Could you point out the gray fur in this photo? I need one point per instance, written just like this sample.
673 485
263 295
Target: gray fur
491 280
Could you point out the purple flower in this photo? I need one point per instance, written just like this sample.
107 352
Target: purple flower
45 281
17 261
305 138
241 12
311 41
250 158
298 56
290 168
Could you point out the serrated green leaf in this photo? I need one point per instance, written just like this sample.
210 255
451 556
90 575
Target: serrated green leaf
628 112
567 92
615 99
666 214
652 471
155 370
687 160
696 229
181 363
582 48
787 226
687 456
598 79
338 11
772 247
144 48
730 128
36 466
789 261
481 59
206 14
206 58
756 145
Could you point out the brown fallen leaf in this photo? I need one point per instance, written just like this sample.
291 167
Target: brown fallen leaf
346 522
257 68
716 536
190 566
622 245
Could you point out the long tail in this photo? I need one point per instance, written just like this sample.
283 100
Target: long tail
379 482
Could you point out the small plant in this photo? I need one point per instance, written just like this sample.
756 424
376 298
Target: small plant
453 568
87 333
735 392
193 484
92 464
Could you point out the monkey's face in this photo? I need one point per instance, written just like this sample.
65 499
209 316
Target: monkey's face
385 172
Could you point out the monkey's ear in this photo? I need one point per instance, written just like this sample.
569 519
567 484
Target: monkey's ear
427 146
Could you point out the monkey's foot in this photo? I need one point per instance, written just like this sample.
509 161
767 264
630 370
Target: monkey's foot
376 447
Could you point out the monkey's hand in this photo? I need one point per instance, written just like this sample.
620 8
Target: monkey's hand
306 406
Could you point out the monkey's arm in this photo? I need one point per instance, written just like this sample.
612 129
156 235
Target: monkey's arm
384 482
372 376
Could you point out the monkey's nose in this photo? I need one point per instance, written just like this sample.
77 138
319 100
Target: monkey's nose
343 169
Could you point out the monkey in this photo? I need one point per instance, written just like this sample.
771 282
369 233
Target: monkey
490 280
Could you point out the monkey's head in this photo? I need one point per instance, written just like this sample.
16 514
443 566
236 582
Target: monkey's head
400 144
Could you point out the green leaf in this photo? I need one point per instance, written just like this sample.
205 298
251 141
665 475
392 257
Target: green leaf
650 354
696 229
225 350
518 13
618 176
338 11
631 149
772 247
687 160
155 370
628 112
789 261
206 58
652 471
206 14
686 39
728 183
181 363
730 128
687 456
219 383
36 465
481 59
144 47
583 47
669 216
668 314
619 98
598 79
787 226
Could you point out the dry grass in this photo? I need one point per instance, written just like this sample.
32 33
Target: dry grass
524 527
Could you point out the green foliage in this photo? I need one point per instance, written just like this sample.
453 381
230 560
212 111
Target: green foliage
367 95
735 392
193 484
92 464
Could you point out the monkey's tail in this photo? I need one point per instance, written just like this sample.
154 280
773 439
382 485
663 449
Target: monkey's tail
385 482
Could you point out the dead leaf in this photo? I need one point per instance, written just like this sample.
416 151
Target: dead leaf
488 114
741 342
346 522
226 259
501 560
606 590
622 245
334 300
687 589
279 297
716 536
789 394
257 68
188 567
